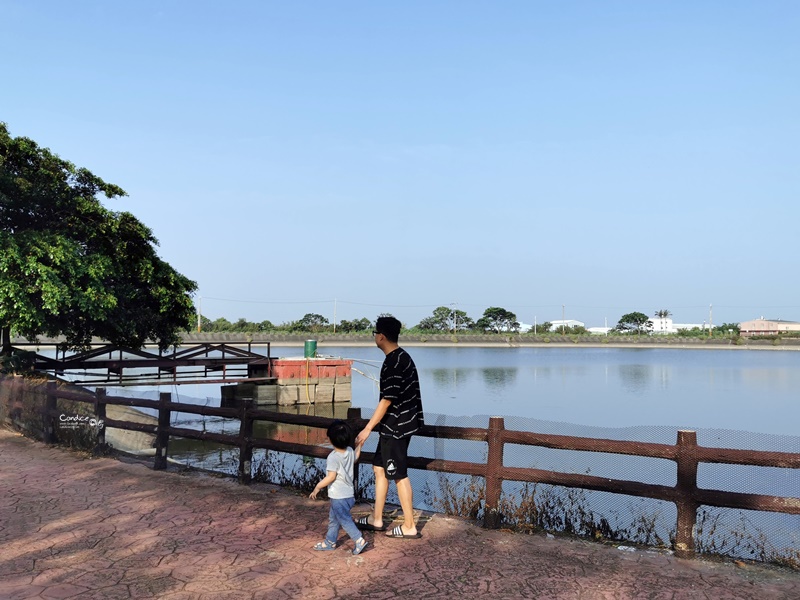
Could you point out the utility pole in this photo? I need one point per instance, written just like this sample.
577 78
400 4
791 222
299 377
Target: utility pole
334 315
710 319
563 320
199 302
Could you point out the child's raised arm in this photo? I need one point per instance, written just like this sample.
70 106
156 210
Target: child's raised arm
329 479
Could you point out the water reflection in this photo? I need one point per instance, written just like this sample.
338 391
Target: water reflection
449 380
497 379
635 378
541 372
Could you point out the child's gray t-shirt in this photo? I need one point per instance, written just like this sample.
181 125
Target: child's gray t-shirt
342 463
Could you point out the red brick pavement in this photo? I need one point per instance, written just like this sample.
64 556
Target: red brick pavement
103 528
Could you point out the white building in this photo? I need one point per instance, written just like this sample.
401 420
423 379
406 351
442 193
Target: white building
664 325
599 330
661 325
556 326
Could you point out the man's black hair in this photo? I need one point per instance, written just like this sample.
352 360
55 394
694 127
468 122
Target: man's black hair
390 327
340 435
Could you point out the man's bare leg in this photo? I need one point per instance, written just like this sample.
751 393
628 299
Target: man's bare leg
381 490
406 495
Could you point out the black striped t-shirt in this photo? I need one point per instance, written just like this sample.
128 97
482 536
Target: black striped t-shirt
400 386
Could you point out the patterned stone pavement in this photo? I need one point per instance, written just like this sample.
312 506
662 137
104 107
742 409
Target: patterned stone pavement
106 528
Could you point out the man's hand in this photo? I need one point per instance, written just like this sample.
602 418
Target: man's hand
383 406
313 495
362 437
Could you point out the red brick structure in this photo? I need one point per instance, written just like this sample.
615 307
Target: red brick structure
298 381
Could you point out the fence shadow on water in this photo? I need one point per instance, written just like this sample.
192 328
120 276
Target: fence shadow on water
632 484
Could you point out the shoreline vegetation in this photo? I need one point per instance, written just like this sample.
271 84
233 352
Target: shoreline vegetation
474 341
504 340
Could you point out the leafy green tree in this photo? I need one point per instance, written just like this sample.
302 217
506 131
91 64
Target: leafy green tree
446 319
440 320
725 328
430 324
205 324
265 326
242 326
498 320
313 322
575 330
69 266
540 328
362 324
460 321
221 325
634 322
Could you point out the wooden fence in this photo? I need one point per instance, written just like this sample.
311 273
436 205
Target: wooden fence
685 453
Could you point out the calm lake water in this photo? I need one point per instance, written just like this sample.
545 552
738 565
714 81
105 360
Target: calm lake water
756 391
746 390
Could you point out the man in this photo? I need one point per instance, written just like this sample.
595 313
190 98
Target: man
397 418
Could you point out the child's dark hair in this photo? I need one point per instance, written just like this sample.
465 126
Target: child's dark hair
339 434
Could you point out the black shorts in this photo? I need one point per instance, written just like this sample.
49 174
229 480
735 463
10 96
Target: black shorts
392 456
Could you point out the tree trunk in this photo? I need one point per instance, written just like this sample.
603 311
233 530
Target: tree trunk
5 334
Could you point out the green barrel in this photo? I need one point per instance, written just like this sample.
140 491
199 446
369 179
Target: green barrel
310 349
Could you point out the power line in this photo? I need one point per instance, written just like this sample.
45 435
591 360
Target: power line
329 301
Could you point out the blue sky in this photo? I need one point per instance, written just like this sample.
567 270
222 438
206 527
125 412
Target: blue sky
606 157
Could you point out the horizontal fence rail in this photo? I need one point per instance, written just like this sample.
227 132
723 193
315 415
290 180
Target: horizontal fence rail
685 494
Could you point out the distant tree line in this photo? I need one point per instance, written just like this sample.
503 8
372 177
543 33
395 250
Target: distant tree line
445 319
311 322
637 323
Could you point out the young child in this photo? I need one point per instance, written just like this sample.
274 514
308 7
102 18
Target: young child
340 479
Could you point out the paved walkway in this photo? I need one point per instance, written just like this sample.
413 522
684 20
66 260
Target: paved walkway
103 528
